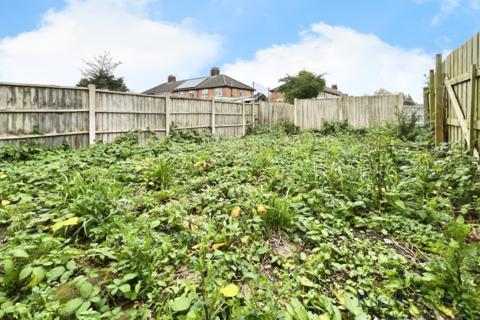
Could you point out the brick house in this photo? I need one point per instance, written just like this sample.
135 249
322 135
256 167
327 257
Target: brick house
327 93
217 85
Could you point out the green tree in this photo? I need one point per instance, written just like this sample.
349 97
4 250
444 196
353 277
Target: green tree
100 73
304 85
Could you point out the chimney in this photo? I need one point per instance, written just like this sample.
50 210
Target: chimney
214 71
172 78
334 87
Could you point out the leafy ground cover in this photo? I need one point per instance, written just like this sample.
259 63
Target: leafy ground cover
340 224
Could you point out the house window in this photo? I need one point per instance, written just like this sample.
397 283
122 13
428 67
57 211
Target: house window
240 92
205 93
218 92
180 93
191 93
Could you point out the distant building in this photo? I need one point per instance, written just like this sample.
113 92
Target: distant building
327 93
331 93
216 85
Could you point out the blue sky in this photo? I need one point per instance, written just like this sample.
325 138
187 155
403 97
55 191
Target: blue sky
241 37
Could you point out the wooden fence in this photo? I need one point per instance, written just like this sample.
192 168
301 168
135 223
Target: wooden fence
453 96
56 114
310 113
81 116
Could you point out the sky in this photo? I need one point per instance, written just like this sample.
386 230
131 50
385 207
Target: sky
359 45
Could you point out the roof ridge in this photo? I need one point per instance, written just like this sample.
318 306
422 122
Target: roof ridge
238 81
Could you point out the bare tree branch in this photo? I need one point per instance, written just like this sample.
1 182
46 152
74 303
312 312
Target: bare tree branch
102 63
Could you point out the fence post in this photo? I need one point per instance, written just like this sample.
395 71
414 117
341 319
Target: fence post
167 114
253 113
269 109
340 109
243 117
431 102
295 111
439 136
91 114
213 114
473 103
426 108
304 114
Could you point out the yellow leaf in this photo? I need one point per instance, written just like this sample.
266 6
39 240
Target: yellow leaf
3 176
196 246
218 245
71 221
262 210
230 291
193 228
447 311
147 159
137 167
235 212
339 296
322 317
197 164
5 202
57 226
277 173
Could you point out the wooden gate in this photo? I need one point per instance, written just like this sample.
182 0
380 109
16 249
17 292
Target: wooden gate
453 97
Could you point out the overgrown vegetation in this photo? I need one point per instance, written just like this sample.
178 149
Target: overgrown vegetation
280 224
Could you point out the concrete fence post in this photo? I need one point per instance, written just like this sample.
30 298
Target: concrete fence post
91 114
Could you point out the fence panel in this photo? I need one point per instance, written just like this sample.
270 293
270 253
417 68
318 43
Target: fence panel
191 114
60 112
116 114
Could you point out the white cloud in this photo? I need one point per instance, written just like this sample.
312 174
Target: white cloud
150 50
358 63
448 7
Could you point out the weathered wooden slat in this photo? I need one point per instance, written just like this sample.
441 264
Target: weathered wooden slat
38 136
126 131
43 111
456 123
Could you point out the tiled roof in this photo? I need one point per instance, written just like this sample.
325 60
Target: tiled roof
326 89
333 91
209 82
